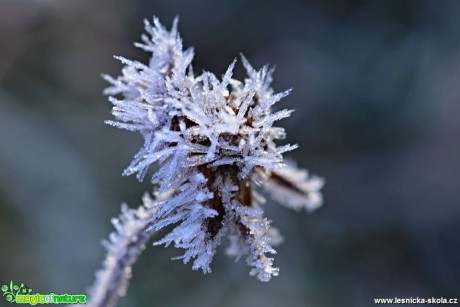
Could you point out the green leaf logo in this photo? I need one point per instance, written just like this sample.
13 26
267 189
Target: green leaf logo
12 290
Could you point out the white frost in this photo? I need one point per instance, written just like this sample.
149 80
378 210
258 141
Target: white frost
213 140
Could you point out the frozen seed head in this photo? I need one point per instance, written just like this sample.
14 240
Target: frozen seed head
213 140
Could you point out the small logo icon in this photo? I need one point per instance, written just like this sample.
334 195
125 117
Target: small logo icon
11 291
21 294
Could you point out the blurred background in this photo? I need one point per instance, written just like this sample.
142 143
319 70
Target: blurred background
376 92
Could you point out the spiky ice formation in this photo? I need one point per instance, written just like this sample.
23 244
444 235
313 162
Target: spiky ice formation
214 143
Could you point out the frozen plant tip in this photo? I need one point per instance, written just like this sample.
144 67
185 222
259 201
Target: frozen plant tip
213 140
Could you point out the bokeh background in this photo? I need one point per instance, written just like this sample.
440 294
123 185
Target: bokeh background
377 93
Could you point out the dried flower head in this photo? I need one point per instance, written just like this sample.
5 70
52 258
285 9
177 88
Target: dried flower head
214 142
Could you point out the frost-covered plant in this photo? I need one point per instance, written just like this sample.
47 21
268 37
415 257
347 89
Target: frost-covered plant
214 143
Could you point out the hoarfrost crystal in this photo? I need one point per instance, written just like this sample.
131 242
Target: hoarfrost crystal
213 140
